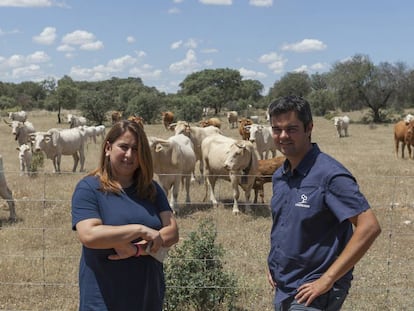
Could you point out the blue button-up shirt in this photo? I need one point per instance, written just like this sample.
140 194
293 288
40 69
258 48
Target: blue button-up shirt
310 210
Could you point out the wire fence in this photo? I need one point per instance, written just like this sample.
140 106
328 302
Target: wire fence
39 253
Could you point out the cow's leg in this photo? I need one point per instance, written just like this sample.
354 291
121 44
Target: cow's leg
210 184
75 161
174 192
187 181
236 193
402 149
82 159
55 164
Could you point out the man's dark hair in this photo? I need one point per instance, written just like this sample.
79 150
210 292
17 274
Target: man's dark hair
292 103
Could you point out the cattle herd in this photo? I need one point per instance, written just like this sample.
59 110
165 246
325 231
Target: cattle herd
247 163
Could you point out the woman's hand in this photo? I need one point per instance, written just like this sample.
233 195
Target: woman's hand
128 251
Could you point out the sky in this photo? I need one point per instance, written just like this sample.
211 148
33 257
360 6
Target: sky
163 41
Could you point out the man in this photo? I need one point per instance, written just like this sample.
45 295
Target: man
315 204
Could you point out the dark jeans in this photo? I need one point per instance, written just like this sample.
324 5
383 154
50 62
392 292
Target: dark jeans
330 301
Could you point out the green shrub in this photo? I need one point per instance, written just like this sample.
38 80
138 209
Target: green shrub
194 274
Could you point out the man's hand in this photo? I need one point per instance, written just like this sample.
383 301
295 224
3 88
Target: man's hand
310 291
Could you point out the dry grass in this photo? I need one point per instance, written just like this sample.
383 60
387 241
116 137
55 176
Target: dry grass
39 253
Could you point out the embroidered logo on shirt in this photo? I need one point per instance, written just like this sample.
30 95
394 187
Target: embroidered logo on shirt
304 202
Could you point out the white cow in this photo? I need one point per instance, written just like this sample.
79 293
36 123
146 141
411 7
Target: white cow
262 136
89 132
18 116
229 159
100 131
341 124
233 117
25 158
174 161
197 135
55 143
76 121
21 130
6 193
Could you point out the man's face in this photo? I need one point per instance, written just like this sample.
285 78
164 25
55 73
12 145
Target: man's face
290 136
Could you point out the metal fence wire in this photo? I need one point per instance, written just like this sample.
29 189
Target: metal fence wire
39 253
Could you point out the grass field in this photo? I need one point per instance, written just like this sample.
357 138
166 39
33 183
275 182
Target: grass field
39 253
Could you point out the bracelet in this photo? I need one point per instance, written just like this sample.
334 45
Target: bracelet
139 249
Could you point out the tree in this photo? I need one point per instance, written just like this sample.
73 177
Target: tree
214 87
359 83
67 95
292 83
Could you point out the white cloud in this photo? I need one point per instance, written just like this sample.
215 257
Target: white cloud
175 45
15 61
140 54
92 46
38 57
312 68
261 3
276 63
306 45
303 68
319 66
46 37
26 3
191 43
3 33
130 39
65 48
119 64
251 74
187 65
26 71
78 37
217 2
146 72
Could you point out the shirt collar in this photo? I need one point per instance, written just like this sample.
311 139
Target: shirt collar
306 163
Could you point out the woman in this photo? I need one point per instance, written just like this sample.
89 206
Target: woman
118 211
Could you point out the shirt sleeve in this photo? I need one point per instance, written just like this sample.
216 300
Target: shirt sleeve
161 199
344 198
84 203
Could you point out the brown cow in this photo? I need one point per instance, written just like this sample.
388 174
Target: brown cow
244 128
138 120
212 121
266 169
116 116
403 133
167 119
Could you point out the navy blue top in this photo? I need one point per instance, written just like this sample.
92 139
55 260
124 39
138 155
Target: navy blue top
310 211
135 283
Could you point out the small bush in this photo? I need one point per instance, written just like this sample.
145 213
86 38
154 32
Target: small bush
37 161
195 277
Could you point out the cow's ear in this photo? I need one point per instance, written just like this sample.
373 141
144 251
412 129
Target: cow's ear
158 147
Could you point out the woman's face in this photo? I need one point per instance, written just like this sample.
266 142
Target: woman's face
123 156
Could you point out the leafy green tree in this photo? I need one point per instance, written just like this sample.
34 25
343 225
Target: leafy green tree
67 95
195 276
215 87
94 106
146 105
292 83
188 108
359 83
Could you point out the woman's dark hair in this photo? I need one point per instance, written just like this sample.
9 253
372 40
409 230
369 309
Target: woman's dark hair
292 103
143 176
